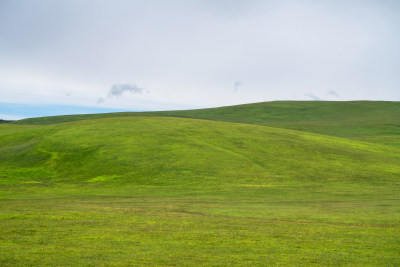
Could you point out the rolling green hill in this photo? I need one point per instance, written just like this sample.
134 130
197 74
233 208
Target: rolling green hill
204 187
126 147
374 121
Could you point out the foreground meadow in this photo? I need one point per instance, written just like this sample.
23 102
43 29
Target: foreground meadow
174 191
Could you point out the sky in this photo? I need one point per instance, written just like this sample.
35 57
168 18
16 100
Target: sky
61 57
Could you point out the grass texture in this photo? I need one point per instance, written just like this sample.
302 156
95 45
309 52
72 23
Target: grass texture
374 121
235 186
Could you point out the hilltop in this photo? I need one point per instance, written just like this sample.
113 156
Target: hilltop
374 121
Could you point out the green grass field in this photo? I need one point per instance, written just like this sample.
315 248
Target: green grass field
279 183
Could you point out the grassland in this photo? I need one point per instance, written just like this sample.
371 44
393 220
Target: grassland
374 121
264 184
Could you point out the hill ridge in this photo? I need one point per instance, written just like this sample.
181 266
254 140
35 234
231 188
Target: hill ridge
371 121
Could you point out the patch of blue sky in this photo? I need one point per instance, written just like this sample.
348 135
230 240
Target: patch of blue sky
11 111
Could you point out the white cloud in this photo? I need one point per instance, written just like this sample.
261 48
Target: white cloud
10 117
189 52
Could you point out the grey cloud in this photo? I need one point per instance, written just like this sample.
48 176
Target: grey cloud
313 97
237 84
100 100
119 89
333 93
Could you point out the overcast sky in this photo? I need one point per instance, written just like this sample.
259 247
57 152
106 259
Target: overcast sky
153 55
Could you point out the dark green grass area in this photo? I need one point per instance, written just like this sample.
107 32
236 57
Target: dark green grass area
189 192
374 121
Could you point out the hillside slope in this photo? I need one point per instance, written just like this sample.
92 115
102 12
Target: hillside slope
190 192
374 121
190 151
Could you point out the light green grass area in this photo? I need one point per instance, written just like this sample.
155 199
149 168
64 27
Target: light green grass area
350 119
180 191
